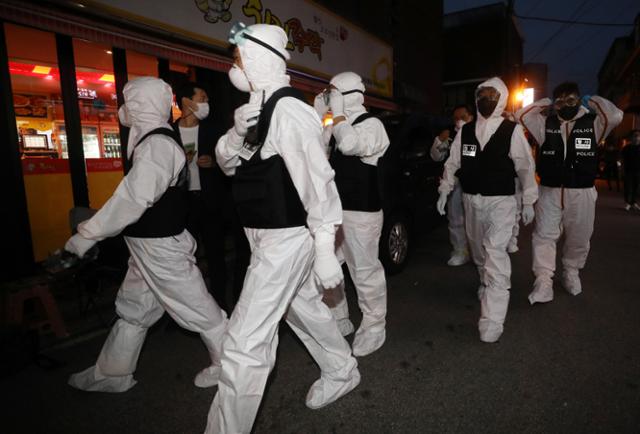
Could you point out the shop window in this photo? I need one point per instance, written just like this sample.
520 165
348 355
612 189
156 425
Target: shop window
99 118
141 65
35 83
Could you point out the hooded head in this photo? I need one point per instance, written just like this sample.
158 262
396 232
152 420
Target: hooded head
492 93
263 55
350 85
147 105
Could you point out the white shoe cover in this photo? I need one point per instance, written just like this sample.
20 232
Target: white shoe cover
366 342
571 282
542 291
458 258
345 326
481 290
325 391
490 332
92 380
208 377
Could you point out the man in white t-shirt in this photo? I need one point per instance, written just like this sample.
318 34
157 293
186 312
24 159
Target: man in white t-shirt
206 183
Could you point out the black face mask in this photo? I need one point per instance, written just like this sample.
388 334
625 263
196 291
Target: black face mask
567 113
486 107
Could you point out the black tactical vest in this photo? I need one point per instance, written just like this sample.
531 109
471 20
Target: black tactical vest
578 169
262 189
357 182
490 171
168 216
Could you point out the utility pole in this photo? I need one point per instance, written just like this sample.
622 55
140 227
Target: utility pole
508 66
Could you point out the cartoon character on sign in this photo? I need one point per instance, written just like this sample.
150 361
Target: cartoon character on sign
215 10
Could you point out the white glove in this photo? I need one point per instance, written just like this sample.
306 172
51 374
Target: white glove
326 266
336 102
245 117
528 214
442 203
319 105
78 245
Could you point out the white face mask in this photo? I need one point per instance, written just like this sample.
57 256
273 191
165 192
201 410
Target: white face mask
123 116
459 124
202 111
239 79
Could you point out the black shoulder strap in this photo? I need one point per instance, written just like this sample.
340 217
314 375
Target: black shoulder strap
508 127
363 117
165 132
183 177
269 107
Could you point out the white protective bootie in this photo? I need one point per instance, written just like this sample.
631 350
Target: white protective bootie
92 380
366 342
490 332
458 258
571 282
325 390
208 377
345 326
542 291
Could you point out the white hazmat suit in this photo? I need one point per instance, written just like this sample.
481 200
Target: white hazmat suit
562 210
362 225
280 280
489 220
455 209
162 274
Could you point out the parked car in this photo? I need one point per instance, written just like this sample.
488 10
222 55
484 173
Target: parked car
409 184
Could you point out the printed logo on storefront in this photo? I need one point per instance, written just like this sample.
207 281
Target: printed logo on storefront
469 150
215 10
583 143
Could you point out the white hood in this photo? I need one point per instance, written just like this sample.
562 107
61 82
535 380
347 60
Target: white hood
486 127
148 106
265 70
353 102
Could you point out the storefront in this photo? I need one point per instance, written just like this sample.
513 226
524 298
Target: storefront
63 66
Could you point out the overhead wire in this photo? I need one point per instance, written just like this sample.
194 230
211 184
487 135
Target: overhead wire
576 14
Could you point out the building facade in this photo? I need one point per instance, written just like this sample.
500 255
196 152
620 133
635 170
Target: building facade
63 66
619 79
480 43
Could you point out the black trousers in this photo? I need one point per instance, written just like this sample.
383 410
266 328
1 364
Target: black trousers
211 225
631 185
611 172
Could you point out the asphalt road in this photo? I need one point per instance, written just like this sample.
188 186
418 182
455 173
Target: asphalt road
570 366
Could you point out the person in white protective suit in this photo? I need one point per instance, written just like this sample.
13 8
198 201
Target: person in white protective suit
356 142
455 210
149 207
282 182
567 166
487 155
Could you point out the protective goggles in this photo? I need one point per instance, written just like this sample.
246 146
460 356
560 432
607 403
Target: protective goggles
488 93
326 93
240 33
567 101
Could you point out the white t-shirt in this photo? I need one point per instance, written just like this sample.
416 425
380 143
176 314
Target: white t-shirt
189 137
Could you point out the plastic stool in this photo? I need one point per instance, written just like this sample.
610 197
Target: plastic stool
18 293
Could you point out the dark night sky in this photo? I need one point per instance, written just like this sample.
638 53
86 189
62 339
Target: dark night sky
577 51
